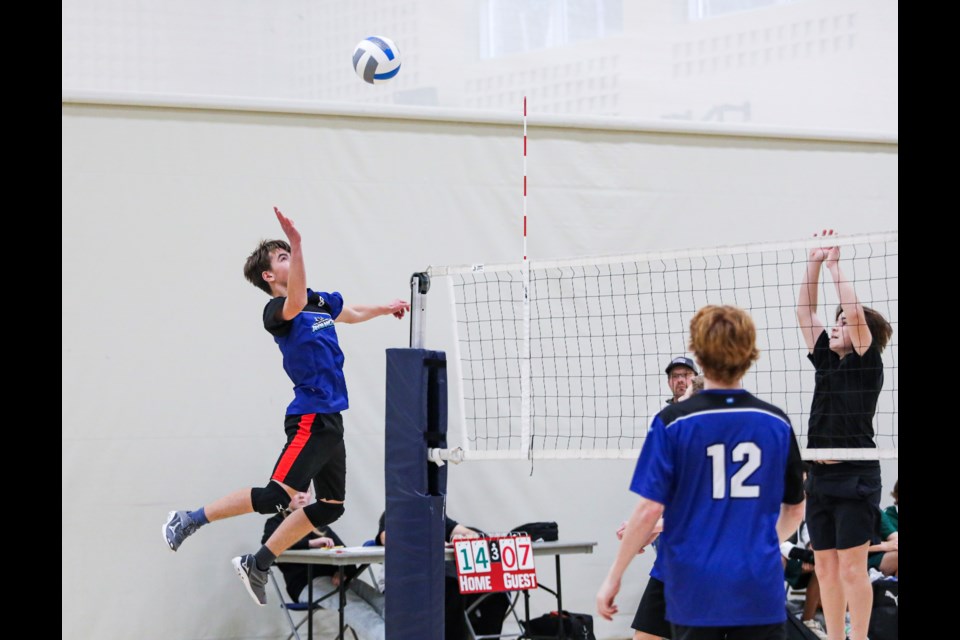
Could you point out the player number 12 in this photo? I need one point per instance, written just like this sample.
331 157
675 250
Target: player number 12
748 453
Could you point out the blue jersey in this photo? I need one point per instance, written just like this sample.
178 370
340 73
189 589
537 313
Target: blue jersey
311 353
721 463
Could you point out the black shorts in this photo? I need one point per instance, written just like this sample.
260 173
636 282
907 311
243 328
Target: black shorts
652 613
314 452
843 506
776 631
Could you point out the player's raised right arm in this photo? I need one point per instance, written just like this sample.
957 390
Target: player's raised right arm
297 276
811 326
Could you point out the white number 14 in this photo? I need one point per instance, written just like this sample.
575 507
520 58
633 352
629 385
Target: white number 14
747 451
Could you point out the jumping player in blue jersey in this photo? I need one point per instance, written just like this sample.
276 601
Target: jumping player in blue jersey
723 469
301 322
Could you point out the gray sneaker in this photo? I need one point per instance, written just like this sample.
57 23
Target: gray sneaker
176 529
254 579
816 629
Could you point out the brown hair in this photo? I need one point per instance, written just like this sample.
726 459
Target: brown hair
724 340
259 261
880 329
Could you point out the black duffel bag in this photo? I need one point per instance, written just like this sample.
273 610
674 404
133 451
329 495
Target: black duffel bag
576 626
885 617
539 531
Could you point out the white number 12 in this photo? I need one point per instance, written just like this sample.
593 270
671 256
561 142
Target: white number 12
748 451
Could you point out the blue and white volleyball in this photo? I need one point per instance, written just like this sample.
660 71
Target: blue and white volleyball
376 59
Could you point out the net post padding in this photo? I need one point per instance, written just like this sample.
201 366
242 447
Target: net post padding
415 488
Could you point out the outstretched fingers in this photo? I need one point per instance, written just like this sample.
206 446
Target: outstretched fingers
399 308
831 253
289 229
824 252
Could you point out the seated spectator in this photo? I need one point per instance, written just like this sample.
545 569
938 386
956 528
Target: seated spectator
884 556
486 619
893 511
363 610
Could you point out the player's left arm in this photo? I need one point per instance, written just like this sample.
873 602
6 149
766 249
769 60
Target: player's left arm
657 530
639 528
791 515
354 313
852 308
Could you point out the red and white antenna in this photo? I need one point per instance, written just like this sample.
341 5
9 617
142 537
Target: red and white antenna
524 179
525 345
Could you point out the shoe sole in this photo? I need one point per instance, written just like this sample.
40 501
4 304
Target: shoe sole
164 531
245 579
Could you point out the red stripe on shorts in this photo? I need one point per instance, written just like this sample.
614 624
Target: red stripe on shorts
292 452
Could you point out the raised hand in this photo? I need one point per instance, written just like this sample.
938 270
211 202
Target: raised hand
821 254
833 257
288 227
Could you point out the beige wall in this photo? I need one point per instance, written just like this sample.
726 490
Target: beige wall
173 394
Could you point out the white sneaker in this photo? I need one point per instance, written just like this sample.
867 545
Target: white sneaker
816 628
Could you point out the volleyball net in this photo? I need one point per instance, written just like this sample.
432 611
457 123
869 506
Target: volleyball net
566 358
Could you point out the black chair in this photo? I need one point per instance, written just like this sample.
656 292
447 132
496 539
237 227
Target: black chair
481 614
305 608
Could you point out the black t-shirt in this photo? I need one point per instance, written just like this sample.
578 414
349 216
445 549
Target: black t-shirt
295 574
845 397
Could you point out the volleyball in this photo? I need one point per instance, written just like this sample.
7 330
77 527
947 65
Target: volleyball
376 59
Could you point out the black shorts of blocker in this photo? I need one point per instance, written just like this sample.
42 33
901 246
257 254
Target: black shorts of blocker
843 506
752 632
314 452
652 613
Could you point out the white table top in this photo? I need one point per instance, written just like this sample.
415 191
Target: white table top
373 555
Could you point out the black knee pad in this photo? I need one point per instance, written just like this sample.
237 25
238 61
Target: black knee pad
270 499
323 513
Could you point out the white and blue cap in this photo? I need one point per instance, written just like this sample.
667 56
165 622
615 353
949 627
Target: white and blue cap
682 361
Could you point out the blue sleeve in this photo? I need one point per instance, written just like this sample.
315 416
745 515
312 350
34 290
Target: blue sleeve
334 302
653 476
